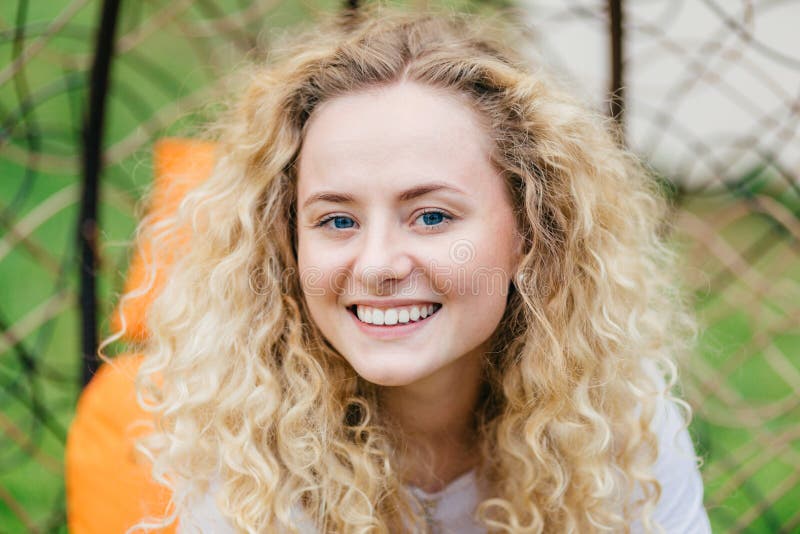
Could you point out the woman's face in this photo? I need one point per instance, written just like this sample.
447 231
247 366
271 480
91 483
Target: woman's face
401 213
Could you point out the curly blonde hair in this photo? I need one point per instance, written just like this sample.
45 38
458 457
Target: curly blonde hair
250 394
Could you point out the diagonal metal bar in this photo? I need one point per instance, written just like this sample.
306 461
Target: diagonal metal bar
92 168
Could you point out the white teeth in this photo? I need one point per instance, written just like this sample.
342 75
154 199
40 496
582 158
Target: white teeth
393 316
403 316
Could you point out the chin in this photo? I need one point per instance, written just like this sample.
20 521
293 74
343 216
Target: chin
390 376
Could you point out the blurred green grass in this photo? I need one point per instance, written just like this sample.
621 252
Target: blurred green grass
746 404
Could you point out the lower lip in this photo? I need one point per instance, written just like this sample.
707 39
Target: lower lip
394 331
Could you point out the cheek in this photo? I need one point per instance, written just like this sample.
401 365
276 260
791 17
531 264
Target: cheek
481 296
321 271
478 264
480 289
484 283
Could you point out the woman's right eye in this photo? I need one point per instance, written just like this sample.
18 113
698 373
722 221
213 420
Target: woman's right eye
340 222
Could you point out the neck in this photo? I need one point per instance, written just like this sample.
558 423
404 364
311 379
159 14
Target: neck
436 419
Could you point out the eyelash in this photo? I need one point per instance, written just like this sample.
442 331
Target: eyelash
447 219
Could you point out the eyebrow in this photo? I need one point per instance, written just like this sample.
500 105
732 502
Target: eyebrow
405 196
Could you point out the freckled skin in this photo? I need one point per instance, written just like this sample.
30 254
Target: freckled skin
373 145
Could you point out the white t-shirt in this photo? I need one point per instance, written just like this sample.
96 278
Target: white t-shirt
679 511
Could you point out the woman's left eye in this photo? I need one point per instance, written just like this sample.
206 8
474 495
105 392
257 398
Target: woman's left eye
434 218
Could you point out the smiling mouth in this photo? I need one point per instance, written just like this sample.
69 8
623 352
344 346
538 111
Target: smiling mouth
390 318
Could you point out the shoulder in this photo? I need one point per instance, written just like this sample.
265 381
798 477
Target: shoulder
680 508
203 516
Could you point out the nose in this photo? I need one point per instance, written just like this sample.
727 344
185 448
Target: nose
383 259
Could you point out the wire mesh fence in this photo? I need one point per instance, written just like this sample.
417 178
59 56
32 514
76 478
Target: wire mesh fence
711 95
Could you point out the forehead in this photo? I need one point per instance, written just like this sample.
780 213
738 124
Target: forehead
393 137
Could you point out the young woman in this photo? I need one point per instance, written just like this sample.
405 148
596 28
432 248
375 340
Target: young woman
425 292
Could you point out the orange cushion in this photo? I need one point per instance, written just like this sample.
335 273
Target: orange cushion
179 165
108 490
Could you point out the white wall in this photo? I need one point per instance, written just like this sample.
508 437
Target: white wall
704 101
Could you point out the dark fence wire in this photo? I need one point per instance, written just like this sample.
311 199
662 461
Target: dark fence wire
92 170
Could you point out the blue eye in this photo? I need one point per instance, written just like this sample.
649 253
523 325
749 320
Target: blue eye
433 218
340 222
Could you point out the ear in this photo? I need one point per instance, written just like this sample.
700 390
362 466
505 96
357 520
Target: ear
518 248
517 254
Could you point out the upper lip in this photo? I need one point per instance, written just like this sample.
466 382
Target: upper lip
390 303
